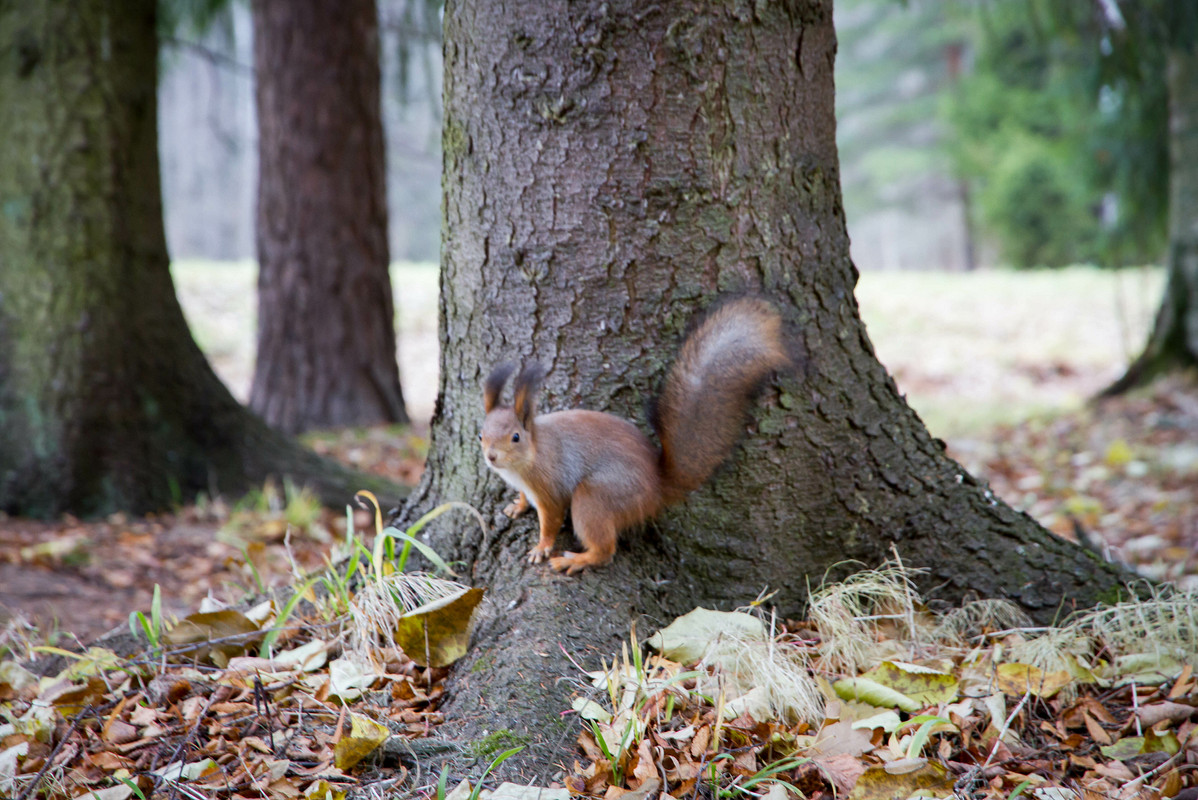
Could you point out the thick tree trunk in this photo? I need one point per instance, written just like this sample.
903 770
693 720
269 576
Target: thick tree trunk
1173 342
611 169
105 401
326 319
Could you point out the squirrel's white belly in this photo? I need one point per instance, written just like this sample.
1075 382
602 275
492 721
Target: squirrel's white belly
516 482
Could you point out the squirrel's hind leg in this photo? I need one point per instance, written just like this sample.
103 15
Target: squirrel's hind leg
595 524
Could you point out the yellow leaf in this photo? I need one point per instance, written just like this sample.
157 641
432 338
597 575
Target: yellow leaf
930 780
923 685
364 737
1016 680
438 633
323 790
1118 453
214 636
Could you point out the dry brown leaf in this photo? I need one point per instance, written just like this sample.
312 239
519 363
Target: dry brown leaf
284 789
744 763
1114 769
120 732
110 761
1099 711
841 737
1154 713
1183 685
645 769
614 793
1095 730
701 740
645 790
590 748
841 770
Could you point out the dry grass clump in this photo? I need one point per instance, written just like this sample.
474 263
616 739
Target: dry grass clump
1164 625
870 615
851 616
376 610
759 675
1063 648
977 618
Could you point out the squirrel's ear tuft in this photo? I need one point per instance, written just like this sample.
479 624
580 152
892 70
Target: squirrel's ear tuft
493 385
526 385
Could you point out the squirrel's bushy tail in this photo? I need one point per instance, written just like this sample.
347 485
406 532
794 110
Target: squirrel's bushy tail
700 413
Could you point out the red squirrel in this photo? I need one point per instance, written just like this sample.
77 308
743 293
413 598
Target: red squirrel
602 467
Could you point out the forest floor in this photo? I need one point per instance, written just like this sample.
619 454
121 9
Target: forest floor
999 364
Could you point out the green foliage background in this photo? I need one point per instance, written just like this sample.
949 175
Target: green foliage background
1060 127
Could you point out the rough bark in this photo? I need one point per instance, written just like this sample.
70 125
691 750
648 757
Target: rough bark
1173 343
326 319
611 168
106 402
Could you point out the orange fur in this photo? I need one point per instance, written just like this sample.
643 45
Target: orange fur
602 468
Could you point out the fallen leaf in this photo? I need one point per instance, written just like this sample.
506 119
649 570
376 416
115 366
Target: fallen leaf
874 693
903 766
187 771
648 788
887 721
1132 746
1154 713
323 790
460 792
924 685
1016 680
645 769
214 636
840 737
687 638
121 791
842 770
930 780
364 737
438 633
514 791
589 709
1095 730
348 678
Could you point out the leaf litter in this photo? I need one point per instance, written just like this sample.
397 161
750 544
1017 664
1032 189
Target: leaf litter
730 705
1100 706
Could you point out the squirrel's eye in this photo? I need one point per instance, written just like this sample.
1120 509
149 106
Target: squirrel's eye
480 437
515 437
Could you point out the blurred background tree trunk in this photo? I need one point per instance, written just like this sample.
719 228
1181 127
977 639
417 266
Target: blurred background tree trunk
326 319
106 403
1173 342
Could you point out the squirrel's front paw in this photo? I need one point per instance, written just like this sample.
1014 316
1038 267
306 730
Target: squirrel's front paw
514 509
539 553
